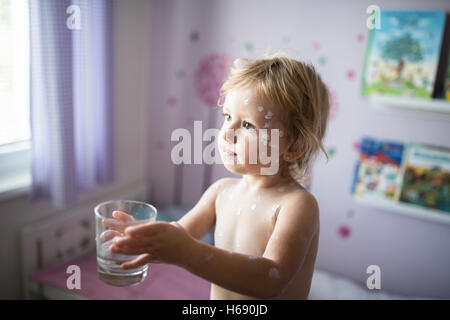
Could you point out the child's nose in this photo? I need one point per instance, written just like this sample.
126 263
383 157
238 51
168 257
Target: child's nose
230 136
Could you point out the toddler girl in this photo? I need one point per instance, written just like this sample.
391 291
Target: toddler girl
266 224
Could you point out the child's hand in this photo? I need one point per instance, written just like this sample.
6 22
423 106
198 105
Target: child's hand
118 225
159 242
120 222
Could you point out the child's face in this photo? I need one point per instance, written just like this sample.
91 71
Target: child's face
246 114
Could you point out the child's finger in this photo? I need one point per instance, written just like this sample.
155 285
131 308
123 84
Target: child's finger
147 229
118 224
122 216
108 234
134 242
128 250
139 261
115 224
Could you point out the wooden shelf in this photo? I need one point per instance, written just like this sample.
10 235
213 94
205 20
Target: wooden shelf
404 208
438 107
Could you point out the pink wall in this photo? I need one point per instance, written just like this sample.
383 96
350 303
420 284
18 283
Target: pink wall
413 254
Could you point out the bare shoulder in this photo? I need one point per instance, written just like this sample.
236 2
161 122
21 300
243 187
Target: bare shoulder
300 207
303 198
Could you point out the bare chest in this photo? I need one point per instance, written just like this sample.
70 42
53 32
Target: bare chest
244 224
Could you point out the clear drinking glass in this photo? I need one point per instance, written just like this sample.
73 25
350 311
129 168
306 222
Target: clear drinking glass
108 263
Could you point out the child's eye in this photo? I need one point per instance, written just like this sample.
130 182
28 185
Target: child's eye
227 116
247 125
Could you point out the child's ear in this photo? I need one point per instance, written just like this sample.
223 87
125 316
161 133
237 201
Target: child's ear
294 152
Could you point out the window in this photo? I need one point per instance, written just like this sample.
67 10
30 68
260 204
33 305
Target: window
14 95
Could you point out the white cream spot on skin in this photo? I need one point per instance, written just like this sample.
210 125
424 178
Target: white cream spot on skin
268 115
253 207
274 273
246 101
209 256
260 108
275 207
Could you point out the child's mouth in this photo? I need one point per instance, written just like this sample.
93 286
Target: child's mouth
227 152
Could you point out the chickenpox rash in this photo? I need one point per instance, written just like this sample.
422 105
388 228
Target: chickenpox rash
274 273
209 257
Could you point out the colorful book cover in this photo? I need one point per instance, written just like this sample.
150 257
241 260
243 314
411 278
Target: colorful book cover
402 56
426 177
378 172
447 81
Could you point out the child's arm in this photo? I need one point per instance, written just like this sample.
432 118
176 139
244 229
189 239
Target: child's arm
202 217
267 276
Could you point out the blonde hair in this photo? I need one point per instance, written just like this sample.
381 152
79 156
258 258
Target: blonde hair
299 90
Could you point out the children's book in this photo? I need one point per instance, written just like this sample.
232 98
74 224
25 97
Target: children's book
378 171
447 81
426 177
402 56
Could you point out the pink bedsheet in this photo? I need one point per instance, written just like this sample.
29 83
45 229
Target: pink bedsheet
163 282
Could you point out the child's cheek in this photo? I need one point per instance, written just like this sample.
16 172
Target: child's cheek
249 145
